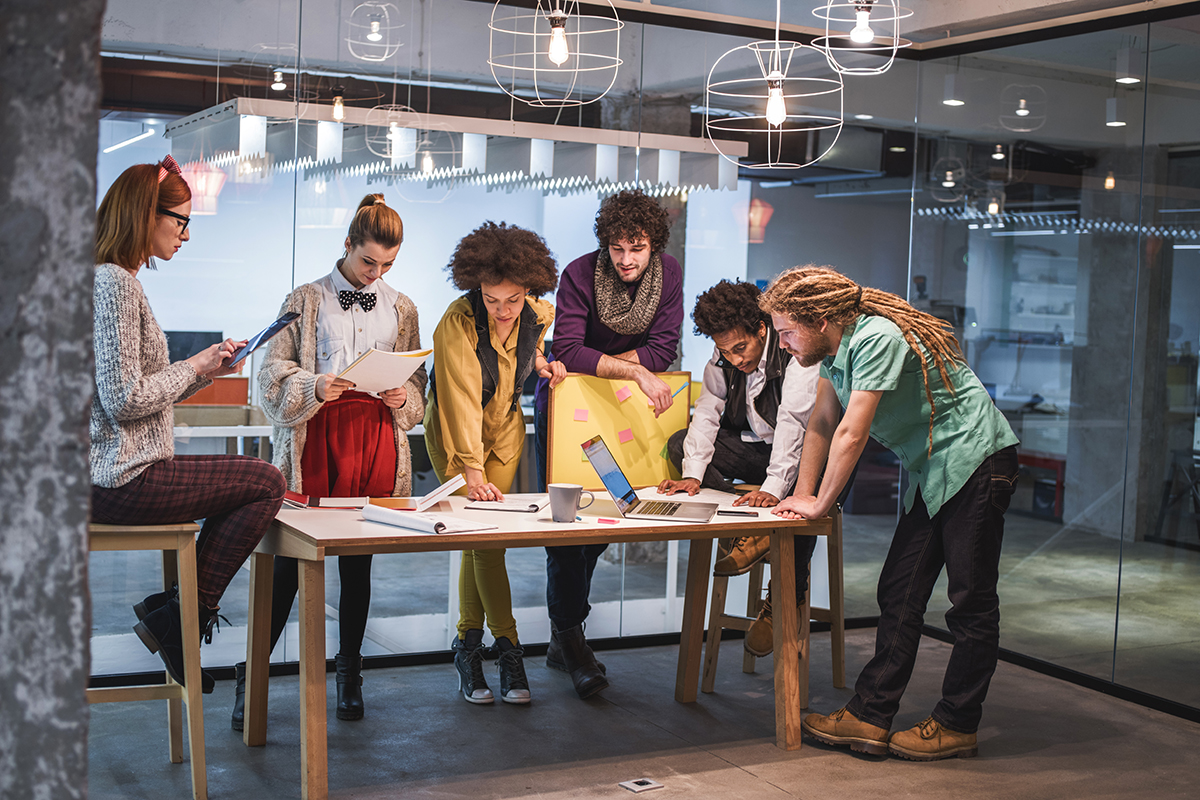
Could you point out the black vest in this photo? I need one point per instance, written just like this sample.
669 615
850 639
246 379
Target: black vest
489 361
767 403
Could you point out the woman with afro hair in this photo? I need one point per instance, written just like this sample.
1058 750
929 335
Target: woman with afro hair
486 345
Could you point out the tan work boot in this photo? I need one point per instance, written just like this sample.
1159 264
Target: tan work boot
842 728
930 741
745 553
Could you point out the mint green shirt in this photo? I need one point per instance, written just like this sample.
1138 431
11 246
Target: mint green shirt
967 428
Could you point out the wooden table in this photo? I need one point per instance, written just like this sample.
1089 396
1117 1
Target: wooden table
311 535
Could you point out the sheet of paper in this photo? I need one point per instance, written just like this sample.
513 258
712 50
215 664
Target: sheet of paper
626 435
423 523
624 393
377 371
581 415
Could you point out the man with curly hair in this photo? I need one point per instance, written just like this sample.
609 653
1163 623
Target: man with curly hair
749 424
619 316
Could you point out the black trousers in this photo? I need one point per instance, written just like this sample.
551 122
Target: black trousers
354 573
964 536
745 461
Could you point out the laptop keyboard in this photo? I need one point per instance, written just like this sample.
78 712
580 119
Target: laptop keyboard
658 508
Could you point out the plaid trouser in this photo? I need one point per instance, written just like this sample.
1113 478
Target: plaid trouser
236 496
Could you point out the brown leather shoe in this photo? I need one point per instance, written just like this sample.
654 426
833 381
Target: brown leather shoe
760 637
843 728
746 552
929 741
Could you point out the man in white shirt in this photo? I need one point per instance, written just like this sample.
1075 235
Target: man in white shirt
748 425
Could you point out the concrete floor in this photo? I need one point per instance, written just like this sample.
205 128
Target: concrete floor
1041 738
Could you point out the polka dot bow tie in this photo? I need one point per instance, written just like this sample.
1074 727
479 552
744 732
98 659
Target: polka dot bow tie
364 299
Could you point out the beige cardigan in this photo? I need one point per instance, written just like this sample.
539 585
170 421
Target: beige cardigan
288 379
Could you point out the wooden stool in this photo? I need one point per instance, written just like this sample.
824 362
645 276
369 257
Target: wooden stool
835 616
178 546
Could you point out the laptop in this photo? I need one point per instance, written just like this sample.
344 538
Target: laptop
629 505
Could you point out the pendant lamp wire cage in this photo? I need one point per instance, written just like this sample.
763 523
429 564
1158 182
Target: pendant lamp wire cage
373 31
876 35
1022 107
780 94
948 180
554 56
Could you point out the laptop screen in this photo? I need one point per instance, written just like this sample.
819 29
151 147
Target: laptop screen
611 476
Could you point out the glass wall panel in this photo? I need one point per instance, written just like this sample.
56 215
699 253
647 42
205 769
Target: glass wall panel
1156 647
1025 238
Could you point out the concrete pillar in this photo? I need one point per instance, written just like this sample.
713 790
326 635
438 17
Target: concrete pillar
49 93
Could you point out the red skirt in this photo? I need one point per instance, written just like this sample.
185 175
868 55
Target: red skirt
350 450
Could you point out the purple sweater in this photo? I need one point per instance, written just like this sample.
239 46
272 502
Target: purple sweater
580 338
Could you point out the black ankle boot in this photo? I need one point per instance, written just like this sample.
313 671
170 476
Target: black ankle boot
162 633
155 601
554 654
349 687
581 662
238 720
514 684
468 660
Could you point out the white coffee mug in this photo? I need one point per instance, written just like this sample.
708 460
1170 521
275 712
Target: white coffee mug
564 501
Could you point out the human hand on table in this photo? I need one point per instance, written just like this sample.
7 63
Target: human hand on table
689 485
757 498
803 507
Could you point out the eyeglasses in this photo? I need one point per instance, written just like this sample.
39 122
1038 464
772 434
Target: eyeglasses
180 217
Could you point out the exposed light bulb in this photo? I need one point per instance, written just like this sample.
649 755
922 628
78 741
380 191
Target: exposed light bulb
864 116
374 34
949 181
278 84
1022 108
339 105
862 33
1110 182
993 207
427 163
776 109
999 154
558 51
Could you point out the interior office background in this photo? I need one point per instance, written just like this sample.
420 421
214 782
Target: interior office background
1015 188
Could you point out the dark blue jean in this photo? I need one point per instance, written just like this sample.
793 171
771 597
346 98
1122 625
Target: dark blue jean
964 536
569 582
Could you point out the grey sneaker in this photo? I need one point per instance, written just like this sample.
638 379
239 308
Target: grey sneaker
468 660
514 685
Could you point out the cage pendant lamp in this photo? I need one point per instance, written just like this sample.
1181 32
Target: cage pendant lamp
373 31
554 56
871 45
798 117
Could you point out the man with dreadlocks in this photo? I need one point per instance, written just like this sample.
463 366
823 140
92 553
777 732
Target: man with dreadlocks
901 378
619 316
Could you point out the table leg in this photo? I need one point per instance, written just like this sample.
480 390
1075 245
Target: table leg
787 651
189 613
314 755
258 649
691 637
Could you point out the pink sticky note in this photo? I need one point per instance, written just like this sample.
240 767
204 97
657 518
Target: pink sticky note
624 393
581 415
625 435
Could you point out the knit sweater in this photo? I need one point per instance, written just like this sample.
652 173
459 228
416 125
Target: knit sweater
133 419
288 379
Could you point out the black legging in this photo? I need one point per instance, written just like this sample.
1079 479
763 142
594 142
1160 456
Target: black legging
353 605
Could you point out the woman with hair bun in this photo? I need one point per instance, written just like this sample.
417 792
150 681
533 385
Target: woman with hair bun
136 477
487 344
329 440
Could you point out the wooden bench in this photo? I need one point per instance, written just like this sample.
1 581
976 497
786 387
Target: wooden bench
178 546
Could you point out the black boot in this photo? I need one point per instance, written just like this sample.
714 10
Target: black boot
468 660
155 601
581 662
162 633
554 654
238 720
349 687
514 685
